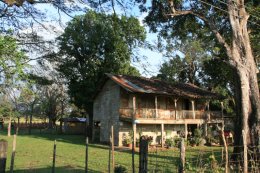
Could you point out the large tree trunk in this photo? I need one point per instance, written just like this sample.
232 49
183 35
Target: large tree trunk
241 57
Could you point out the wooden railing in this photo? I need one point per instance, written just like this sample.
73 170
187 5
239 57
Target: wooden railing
168 114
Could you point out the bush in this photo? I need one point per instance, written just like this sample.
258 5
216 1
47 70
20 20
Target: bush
169 142
120 169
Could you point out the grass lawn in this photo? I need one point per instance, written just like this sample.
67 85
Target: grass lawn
34 154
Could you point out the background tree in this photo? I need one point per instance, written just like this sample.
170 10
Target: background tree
188 67
94 44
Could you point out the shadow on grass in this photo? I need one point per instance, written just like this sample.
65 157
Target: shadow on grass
48 135
65 169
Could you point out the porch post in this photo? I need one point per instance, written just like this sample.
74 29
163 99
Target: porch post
156 105
222 108
162 135
186 130
133 121
208 112
175 108
193 109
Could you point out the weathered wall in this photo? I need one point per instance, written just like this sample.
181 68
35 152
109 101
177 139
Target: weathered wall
106 106
170 130
74 128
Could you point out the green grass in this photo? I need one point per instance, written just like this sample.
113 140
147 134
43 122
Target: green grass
34 154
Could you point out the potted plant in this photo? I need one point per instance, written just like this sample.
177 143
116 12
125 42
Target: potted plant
127 141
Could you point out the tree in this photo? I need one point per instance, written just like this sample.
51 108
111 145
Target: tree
227 22
187 68
94 44
12 60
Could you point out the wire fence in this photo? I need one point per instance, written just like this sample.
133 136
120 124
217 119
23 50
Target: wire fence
197 159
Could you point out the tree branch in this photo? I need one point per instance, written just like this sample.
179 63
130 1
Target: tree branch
210 24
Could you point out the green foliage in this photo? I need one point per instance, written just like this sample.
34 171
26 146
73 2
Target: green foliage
12 60
198 136
170 142
94 44
120 169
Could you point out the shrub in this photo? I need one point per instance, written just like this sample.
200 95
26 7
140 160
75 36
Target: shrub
120 169
169 142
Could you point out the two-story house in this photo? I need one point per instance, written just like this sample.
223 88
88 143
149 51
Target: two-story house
151 107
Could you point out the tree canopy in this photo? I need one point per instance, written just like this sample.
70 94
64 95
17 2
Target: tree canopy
94 44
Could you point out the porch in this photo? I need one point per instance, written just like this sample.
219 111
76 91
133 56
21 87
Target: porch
170 114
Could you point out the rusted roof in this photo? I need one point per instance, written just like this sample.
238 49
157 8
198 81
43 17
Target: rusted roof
73 119
154 86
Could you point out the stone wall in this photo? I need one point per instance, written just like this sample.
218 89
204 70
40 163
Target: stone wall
105 111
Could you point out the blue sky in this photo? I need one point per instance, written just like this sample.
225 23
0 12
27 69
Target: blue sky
148 66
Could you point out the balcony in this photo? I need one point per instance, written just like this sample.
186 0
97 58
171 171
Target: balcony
162 114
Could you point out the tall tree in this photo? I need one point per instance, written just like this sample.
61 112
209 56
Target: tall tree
12 60
94 44
227 22
187 68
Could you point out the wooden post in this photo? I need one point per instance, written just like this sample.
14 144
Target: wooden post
133 157
225 148
9 128
86 160
193 109
3 154
245 151
112 148
186 130
109 157
175 108
206 128
13 155
18 122
222 154
54 157
143 155
156 107
133 146
133 121
222 109
134 134
182 157
162 136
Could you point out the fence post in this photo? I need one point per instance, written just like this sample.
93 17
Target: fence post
54 157
143 155
13 155
226 148
133 157
182 157
86 161
245 151
112 148
3 154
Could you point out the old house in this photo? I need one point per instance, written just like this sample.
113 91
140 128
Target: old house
143 106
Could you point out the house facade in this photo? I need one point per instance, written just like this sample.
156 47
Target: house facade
140 106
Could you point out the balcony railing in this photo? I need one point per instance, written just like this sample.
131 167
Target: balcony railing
168 114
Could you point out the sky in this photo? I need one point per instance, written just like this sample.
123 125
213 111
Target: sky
148 66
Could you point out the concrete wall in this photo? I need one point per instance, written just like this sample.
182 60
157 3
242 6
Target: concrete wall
106 106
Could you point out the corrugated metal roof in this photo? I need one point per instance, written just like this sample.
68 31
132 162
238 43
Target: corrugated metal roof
154 86
73 119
